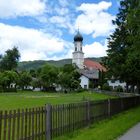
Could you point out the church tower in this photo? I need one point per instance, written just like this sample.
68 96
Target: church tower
78 55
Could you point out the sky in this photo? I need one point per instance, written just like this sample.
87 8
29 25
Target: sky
44 29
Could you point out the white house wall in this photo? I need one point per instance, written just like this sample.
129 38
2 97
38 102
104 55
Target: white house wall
116 83
84 82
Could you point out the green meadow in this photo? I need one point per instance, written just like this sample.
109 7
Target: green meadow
35 99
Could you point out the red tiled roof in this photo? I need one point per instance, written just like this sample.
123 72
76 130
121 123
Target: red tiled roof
95 65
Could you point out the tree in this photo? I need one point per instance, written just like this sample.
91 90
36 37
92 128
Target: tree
124 53
24 79
36 82
33 73
7 78
10 60
69 78
133 58
48 76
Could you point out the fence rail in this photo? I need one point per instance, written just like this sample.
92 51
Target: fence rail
45 123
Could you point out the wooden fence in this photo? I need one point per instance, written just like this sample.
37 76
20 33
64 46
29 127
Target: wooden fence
45 123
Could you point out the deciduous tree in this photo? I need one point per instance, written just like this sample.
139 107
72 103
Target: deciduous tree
10 60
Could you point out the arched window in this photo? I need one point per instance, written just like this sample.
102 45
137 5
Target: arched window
75 48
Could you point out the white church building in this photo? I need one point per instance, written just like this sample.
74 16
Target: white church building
88 69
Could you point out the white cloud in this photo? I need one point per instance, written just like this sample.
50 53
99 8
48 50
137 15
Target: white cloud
61 21
95 49
64 3
54 16
88 8
61 15
37 45
14 8
94 19
62 11
33 44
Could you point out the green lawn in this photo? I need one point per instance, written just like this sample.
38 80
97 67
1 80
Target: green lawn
34 99
109 129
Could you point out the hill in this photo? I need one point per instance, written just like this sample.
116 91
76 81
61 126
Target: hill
27 65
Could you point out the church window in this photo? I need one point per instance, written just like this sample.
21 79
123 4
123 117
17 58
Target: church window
75 48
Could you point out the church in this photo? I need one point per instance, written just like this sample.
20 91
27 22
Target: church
88 69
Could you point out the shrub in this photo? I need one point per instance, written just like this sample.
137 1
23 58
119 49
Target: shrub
106 87
10 90
1 89
118 89
81 90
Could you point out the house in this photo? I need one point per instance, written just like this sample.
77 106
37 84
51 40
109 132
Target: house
88 69
115 83
88 76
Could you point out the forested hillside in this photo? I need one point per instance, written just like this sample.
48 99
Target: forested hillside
27 65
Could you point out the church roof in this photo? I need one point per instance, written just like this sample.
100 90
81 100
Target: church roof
94 65
78 37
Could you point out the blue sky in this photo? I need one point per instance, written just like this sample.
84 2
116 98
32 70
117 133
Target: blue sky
44 29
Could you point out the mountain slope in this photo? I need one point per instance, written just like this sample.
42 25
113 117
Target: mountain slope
27 65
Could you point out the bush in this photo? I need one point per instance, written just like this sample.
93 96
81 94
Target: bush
49 89
1 89
106 87
27 90
10 90
81 90
118 89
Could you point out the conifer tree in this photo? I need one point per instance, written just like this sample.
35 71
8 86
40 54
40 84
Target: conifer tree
123 59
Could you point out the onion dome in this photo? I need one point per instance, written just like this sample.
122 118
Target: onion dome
78 37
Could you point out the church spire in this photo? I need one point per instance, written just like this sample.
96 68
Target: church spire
78 55
78 37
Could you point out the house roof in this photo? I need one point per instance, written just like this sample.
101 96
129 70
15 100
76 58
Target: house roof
90 74
94 65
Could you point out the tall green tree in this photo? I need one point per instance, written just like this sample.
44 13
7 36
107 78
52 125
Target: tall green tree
69 78
123 53
133 57
7 78
10 60
24 79
48 76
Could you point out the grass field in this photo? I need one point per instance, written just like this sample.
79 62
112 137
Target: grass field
109 129
34 99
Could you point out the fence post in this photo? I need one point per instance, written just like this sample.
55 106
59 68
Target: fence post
109 108
88 113
48 121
